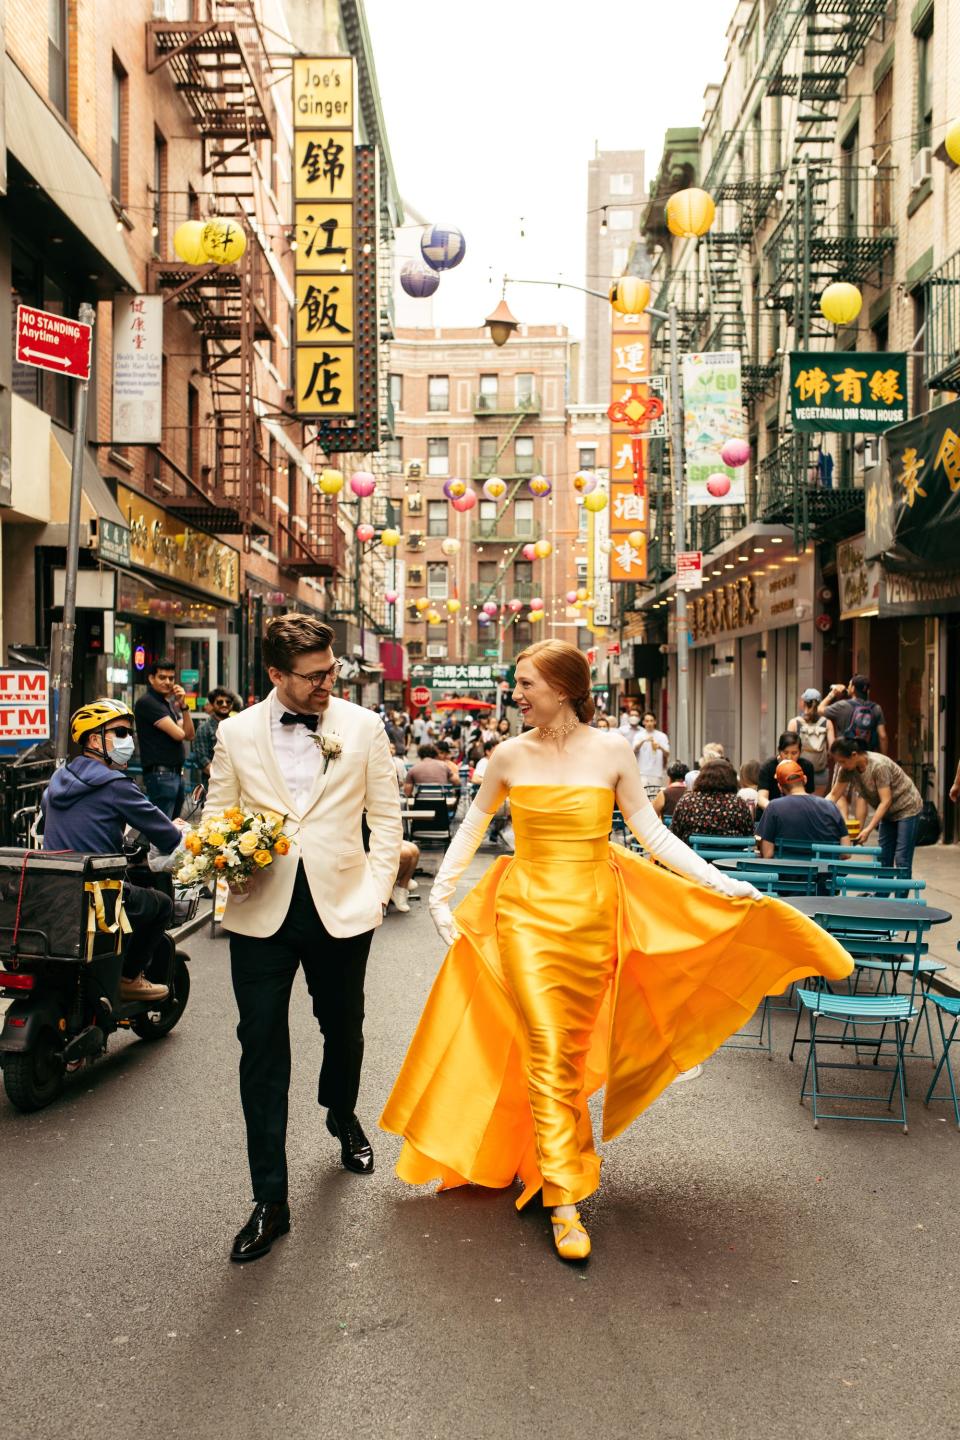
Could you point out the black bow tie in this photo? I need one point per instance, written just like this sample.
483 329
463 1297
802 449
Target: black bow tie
288 718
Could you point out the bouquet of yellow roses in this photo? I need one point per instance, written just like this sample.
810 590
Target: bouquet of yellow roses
234 845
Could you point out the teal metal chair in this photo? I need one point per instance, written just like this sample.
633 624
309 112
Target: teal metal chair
729 844
859 1013
824 852
945 1005
762 1039
789 882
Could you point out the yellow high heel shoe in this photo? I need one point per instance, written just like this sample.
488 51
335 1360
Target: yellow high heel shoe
573 1242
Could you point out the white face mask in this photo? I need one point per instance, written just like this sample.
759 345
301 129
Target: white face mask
122 752
634 719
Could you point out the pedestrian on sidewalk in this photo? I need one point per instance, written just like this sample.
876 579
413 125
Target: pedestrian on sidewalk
878 781
852 715
788 748
164 725
795 815
811 727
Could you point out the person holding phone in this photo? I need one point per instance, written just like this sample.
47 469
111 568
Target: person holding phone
164 725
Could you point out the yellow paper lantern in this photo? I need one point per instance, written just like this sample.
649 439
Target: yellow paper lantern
595 501
690 212
390 538
542 549
841 303
453 606
951 141
450 546
582 593
422 604
188 243
434 617
536 615
223 241
630 295
331 481
636 538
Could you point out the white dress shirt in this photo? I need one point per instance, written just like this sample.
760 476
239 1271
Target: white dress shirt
298 754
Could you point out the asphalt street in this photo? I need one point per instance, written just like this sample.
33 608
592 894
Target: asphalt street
751 1277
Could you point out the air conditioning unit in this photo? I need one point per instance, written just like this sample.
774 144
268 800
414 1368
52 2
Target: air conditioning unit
436 652
870 455
921 167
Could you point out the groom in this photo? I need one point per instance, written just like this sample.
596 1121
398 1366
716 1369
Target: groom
321 762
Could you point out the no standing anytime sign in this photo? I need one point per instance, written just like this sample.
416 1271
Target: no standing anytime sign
53 342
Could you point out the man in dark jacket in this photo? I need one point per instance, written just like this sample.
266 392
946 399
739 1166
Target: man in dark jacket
88 805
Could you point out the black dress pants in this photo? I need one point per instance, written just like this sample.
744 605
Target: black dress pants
263 972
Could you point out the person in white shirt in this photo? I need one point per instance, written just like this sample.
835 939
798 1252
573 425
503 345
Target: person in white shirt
652 752
481 765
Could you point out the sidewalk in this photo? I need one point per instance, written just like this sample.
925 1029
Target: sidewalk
939 865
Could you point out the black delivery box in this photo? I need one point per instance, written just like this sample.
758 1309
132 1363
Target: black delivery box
69 904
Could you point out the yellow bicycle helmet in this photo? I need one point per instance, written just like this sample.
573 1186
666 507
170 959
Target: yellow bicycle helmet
95 715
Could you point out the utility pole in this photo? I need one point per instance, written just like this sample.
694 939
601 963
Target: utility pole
86 315
681 745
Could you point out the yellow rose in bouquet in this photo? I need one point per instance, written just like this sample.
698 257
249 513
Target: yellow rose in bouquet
237 845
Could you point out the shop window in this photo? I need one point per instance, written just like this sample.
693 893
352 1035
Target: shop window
438 457
437 517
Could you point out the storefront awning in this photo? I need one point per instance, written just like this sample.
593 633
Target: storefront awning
49 154
95 488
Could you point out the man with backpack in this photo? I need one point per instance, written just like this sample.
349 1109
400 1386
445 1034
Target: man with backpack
854 716
814 742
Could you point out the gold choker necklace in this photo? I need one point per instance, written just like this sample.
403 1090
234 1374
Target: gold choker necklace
557 732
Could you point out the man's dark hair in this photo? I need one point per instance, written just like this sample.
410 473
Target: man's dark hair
676 770
717 778
489 745
156 665
788 739
427 752
847 746
860 685
443 747
220 692
288 636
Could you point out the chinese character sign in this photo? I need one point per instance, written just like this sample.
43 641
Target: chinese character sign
137 369
635 412
847 391
324 222
913 510
712 415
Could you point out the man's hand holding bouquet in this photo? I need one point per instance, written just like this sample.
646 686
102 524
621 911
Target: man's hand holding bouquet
235 845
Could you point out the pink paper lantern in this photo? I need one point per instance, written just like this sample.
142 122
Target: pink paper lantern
365 532
528 552
363 483
391 597
464 502
536 603
515 605
735 453
571 597
718 485
490 608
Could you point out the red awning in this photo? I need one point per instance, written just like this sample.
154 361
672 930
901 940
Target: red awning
465 704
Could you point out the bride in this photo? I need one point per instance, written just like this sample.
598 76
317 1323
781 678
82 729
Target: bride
575 963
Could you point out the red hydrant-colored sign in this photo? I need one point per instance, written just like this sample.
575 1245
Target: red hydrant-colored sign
53 342
420 696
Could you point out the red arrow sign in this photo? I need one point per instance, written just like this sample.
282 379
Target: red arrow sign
53 342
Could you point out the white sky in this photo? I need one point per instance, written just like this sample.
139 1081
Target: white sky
492 113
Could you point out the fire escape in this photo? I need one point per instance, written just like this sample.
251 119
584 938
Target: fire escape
219 67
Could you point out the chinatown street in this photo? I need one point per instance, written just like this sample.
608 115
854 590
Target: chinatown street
751 1277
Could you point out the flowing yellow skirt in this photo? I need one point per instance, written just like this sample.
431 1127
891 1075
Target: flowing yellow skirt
588 966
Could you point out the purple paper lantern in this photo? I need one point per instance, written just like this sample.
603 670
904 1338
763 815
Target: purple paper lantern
735 453
442 246
418 281
454 488
483 619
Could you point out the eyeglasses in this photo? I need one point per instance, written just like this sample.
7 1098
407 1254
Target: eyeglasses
122 732
320 677
222 705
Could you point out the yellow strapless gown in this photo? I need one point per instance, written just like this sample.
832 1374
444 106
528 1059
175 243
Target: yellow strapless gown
579 964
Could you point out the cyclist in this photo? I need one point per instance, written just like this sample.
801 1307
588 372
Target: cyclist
88 805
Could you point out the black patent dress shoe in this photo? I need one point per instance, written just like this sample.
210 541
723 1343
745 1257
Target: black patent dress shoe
356 1152
268 1222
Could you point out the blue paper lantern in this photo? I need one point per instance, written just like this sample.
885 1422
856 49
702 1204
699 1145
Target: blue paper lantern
442 247
483 619
418 280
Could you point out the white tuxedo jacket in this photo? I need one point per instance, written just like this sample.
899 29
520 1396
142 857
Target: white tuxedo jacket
349 888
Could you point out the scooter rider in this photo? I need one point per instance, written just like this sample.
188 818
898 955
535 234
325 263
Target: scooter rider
87 806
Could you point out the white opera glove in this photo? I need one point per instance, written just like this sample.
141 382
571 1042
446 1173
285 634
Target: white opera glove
657 840
460 852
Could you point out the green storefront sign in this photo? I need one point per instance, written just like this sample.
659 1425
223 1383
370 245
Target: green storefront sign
844 390
913 503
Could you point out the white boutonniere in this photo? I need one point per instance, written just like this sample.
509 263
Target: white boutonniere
331 746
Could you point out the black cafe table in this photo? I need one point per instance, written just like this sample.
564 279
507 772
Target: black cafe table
859 907
824 870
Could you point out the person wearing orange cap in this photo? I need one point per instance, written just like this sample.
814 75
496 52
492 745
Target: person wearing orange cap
797 815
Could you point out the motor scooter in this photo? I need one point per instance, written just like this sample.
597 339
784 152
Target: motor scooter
64 1008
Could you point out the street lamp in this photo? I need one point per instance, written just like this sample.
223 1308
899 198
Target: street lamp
502 324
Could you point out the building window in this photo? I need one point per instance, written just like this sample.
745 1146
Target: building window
924 41
583 519
396 391
524 389
159 226
523 517
488 575
849 176
488 393
58 34
522 634
392 452
524 458
193 432
437 584
193 203
921 395
488 515
621 254
587 457
882 149
620 219
523 577
621 184
438 457
118 125
436 517
487 458
438 392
